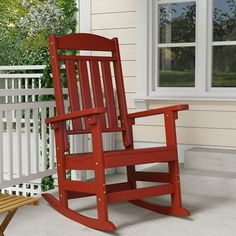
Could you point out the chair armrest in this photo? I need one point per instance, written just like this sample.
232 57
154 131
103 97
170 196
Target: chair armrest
158 111
75 114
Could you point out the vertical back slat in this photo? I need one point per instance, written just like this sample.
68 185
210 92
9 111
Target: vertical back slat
73 91
84 83
109 93
97 88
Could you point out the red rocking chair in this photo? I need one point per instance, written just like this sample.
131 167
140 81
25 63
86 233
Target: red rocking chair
94 109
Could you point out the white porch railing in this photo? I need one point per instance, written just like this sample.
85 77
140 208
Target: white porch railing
26 147
26 143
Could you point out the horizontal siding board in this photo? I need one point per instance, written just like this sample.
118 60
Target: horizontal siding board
125 36
196 119
128 52
129 68
130 100
198 105
114 20
191 136
104 6
129 83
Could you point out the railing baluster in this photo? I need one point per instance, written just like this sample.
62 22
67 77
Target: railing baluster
10 145
19 87
51 143
1 147
44 139
19 142
27 141
35 156
26 87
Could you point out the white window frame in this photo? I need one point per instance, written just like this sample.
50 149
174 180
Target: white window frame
203 50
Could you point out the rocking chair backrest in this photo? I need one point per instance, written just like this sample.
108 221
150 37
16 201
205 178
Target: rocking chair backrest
92 80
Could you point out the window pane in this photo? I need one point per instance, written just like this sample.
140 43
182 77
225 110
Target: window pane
224 69
177 22
177 67
224 20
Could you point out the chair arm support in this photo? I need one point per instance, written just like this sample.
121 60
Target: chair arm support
75 114
158 111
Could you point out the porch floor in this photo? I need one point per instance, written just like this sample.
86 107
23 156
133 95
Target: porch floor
211 216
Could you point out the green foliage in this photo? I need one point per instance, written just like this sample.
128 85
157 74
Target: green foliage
26 24
47 183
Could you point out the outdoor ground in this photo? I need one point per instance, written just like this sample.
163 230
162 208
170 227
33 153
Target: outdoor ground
211 216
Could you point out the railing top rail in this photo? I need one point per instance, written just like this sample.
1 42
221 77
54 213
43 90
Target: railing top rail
26 105
22 67
27 92
20 76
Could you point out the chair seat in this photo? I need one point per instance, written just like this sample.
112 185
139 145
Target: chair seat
119 158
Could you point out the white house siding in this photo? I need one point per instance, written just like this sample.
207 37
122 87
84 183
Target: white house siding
207 123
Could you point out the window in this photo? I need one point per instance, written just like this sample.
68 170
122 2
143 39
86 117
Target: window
175 44
190 48
224 44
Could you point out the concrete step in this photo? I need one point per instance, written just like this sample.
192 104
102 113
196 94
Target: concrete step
210 159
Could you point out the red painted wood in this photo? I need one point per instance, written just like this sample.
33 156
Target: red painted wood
136 157
127 135
152 176
53 47
167 210
110 188
98 109
158 111
60 109
73 92
133 194
86 58
84 82
73 185
97 88
85 41
76 114
76 194
109 93
73 215
79 162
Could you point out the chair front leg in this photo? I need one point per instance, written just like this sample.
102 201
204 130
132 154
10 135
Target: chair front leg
170 128
61 170
97 144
